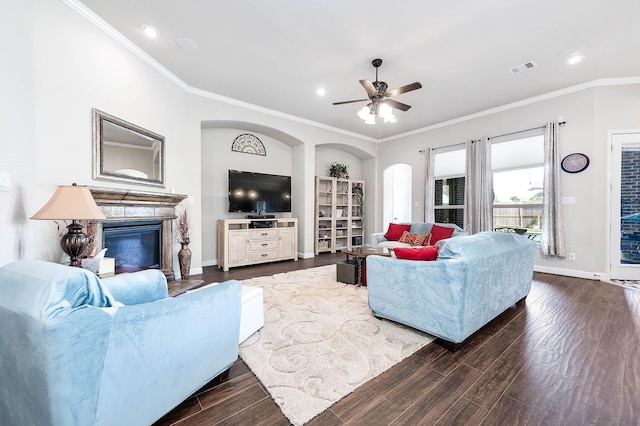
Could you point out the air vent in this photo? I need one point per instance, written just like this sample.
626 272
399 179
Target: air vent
522 67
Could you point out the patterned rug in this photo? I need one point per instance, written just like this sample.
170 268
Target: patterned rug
320 341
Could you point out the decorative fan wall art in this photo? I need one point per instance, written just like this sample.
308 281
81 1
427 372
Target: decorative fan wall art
248 144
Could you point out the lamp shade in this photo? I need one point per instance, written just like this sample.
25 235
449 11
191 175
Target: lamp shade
70 202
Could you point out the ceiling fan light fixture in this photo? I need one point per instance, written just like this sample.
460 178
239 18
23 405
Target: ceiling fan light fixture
378 94
364 112
386 113
367 115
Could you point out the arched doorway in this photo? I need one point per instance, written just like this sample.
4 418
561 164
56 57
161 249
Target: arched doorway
396 194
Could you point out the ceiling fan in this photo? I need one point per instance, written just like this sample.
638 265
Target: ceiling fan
379 95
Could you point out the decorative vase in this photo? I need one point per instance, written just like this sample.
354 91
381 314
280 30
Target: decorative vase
184 258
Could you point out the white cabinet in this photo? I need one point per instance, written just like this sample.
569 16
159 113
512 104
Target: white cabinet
287 243
338 214
238 247
250 241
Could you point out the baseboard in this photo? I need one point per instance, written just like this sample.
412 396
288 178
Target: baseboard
209 263
195 271
570 272
306 255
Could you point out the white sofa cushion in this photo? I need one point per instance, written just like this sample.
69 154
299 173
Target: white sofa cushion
393 244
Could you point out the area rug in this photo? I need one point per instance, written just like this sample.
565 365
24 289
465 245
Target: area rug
320 341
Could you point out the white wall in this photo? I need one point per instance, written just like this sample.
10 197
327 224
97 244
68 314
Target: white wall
17 126
589 114
59 66
325 156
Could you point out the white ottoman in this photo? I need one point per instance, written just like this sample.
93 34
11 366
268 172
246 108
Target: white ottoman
252 316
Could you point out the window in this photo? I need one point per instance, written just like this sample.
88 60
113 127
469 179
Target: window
518 168
449 201
449 170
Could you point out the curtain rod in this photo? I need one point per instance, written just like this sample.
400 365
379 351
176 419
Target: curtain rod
561 123
525 130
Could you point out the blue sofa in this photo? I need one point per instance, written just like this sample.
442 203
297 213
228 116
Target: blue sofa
474 279
378 239
77 350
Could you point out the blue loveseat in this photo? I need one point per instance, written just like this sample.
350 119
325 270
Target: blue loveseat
71 354
474 279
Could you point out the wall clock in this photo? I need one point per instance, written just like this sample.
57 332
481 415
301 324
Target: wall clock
574 163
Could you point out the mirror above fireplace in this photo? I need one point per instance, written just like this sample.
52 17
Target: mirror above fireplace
126 152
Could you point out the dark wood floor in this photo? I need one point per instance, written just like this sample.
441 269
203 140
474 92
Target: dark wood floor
569 356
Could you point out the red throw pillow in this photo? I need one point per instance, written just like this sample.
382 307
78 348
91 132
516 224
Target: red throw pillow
395 231
440 233
417 253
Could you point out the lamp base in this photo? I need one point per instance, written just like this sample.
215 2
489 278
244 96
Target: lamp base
74 242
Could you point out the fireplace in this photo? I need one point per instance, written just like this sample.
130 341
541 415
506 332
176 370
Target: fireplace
152 213
134 245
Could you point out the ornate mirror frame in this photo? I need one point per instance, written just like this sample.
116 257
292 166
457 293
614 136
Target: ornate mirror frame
125 152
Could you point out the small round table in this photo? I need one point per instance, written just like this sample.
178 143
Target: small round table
360 255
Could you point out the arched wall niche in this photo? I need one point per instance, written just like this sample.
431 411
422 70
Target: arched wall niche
252 127
286 155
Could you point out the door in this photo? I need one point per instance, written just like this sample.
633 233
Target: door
625 206
396 195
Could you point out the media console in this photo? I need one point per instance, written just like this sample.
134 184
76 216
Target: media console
252 241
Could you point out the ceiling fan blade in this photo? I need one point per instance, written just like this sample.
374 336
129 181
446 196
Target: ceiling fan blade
397 105
404 89
369 87
349 102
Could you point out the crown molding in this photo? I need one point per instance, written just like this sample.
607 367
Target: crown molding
100 23
273 113
528 101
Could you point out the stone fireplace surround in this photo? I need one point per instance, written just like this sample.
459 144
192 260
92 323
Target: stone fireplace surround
127 205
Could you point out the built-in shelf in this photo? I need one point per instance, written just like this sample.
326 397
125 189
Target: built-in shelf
338 220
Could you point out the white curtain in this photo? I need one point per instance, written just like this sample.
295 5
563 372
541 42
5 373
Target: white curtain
478 185
552 239
430 183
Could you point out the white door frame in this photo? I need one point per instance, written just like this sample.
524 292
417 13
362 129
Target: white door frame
614 270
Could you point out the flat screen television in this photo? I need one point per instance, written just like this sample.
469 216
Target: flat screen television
251 192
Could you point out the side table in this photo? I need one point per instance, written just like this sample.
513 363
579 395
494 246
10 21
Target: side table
360 255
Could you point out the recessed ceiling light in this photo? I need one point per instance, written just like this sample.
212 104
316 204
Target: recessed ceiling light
573 55
186 43
574 59
150 30
321 91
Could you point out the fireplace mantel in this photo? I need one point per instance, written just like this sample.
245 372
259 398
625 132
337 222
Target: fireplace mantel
123 205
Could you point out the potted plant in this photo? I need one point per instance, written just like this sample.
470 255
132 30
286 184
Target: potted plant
338 170
358 194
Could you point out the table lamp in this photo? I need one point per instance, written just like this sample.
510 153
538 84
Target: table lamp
71 203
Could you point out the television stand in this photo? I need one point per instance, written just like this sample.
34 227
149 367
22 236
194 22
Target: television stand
244 242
